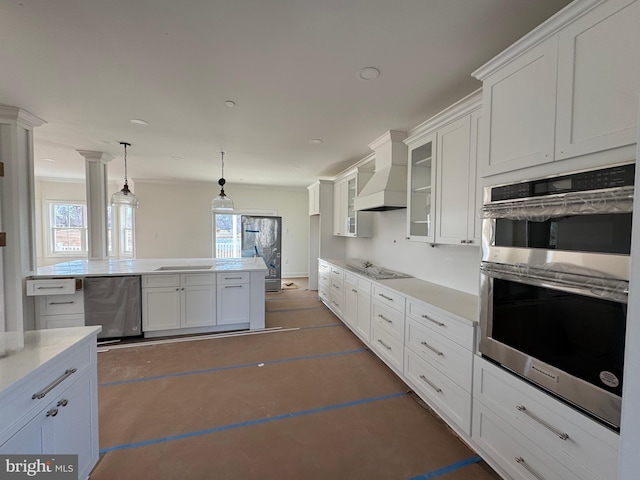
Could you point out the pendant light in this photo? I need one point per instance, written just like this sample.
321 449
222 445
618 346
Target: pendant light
222 202
125 196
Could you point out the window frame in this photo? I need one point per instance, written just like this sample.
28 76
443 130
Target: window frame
50 216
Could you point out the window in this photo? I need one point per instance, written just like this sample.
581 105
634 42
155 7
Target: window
227 232
67 228
120 244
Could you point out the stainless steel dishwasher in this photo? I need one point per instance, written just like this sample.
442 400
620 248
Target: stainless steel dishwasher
115 304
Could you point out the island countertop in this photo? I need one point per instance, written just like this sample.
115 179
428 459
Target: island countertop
95 268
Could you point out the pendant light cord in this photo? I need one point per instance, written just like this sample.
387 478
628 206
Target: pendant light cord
222 153
125 164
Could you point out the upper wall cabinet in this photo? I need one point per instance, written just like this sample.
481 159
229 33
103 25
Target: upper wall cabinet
314 198
567 89
442 198
347 222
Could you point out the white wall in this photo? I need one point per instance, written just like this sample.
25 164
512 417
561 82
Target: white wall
175 220
448 265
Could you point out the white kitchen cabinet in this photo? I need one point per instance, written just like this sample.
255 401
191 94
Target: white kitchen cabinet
439 361
442 198
520 426
520 103
347 222
57 303
357 310
568 89
314 198
178 301
421 180
387 326
54 409
336 291
598 80
234 298
324 281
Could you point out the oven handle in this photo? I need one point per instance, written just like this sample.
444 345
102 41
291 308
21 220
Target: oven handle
600 287
615 200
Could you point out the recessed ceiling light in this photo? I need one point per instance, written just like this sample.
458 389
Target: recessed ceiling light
48 160
138 121
175 157
230 103
369 73
315 141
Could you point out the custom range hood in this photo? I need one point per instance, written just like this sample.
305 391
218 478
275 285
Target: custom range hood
387 188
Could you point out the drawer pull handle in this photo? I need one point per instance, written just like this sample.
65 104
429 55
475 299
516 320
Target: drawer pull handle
385 319
233 278
354 290
54 384
384 344
528 468
555 431
63 403
385 297
51 288
52 412
233 286
440 324
62 303
431 384
433 349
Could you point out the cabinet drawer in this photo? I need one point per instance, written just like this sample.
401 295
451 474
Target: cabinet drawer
451 359
387 347
446 325
438 390
336 285
20 401
190 279
233 278
535 414
61 304
160 280
324 267
516 454
54 286
59 321
389 298
363 286
336 300
388 319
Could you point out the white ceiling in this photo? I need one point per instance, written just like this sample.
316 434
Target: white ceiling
87 67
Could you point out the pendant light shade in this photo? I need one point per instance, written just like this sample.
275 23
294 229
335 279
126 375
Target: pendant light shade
222 203
125 196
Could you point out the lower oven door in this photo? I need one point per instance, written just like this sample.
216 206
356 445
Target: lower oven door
559 329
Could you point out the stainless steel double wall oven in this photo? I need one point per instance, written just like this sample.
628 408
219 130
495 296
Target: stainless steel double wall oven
554 283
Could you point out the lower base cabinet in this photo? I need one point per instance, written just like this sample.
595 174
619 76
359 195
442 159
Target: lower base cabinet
66 419
234 298
526 432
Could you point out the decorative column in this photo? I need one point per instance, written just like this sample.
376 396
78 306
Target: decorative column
17 215
96 182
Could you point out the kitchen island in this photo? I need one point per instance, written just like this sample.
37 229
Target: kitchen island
178 296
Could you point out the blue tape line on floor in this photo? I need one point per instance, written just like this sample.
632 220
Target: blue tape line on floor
448 469
250 422
231 367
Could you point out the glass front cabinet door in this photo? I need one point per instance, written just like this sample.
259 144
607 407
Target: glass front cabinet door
421 178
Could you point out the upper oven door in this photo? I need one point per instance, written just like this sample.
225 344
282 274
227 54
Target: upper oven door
588 229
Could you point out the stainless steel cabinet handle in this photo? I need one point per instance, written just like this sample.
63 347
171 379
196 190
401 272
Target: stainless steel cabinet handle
54 384
463 241
62 303
233 286
385 297
440 324
63 403
433 349
431 384
555 431
528 468
52 412
385 319
354 290
233 278
50 288
384 344
469 241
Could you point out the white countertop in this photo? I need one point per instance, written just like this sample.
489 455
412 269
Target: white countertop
40 346
456 302
89 268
